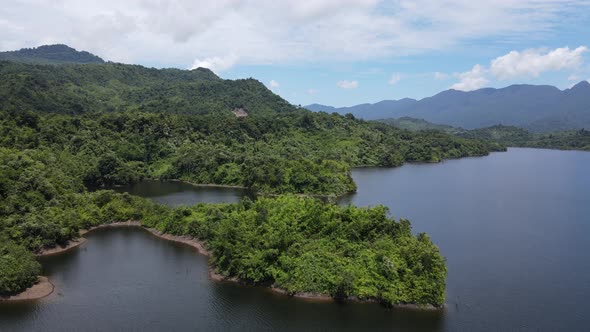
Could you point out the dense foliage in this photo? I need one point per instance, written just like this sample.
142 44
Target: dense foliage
298 244
295 152
67 128
413 124
504 135
50 54
518 137
302 245
18 268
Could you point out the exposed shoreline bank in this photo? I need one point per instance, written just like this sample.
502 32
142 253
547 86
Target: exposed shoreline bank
201 249
207 185
253 191
41 289
59 249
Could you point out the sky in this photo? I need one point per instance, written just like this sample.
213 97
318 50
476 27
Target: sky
332 52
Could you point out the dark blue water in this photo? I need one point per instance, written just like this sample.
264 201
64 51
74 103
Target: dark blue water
128 280
513 226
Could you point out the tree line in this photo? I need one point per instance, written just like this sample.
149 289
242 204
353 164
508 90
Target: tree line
68 130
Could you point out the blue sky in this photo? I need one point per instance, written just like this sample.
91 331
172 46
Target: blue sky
334 52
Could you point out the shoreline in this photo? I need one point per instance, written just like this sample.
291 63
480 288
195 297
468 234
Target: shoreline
255 192
59 249
213 275
41 289
207 185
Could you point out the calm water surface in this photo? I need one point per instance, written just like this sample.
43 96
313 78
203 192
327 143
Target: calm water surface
175 193
513 226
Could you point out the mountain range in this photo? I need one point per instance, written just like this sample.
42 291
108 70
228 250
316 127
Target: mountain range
539 108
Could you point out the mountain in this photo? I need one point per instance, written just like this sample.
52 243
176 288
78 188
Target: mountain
380 110
80 88
539 108
50 54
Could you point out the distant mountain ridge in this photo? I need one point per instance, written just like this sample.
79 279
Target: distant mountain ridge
540 108
50 54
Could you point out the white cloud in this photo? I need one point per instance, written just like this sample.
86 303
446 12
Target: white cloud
531 63
395 78
175 32
273 84
515 64
471 80
312 91
440 76
347 84
216 64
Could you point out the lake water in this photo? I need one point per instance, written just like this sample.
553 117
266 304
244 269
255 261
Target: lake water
513 226
175 193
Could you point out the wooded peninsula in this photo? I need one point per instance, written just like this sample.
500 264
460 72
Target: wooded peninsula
67 130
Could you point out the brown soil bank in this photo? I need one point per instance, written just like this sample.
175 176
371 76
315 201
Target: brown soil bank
39 290
200 246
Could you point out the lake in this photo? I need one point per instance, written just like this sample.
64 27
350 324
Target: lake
513 227
176 193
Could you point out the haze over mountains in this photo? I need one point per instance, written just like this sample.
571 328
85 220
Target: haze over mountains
538 108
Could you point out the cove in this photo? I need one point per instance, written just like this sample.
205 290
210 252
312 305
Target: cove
127 279
513 227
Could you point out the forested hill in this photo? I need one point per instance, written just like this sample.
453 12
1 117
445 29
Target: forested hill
518 137
123 123
50 54
75 88
505 135
67 128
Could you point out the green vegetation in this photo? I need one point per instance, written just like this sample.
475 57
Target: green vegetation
518 137
303 245
129 122
18 268
298 244
413 124
504 135
67 128
50 54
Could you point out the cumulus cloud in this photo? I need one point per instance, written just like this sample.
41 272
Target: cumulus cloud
273 84
216 64
471 80
395 78
175 32
515 64
531 63
347 84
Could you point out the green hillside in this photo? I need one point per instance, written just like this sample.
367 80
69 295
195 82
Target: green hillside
67 128
413 124
518 137
50 54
